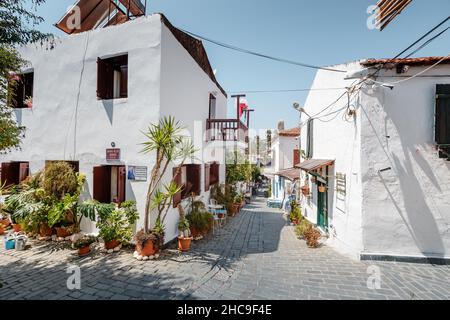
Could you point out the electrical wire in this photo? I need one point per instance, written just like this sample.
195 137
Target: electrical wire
427 43
261 55
286 90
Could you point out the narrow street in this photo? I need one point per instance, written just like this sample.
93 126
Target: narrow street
255 256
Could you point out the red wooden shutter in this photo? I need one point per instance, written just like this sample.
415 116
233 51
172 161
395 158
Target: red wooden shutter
296 160
16 91
24 171
6 174
105 80
28 80
207 176
214 178
102 184
177 180
124 81
121 179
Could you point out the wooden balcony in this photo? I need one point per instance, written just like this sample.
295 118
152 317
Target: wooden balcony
226 130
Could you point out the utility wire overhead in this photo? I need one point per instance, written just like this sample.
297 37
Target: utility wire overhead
261 55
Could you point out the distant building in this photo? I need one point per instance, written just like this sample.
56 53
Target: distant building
284 156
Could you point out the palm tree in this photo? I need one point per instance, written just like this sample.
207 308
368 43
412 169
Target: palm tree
166 139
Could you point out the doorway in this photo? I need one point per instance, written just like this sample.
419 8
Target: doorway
322 212
109 184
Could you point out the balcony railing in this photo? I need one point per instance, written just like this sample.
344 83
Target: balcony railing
226 130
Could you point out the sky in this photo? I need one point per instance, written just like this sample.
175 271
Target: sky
319 32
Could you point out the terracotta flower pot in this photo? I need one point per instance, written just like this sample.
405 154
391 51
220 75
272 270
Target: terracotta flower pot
148 249
322 189
5 222
62 232
184 244
221 215
45 230
84 251
16 227
2 229
111 244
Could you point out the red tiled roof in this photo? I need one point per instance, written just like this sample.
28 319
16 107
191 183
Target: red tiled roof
294 132
409 61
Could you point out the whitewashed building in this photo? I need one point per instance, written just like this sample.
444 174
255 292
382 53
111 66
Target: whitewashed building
382 154
284 156
96 91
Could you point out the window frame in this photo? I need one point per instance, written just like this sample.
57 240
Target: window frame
107 69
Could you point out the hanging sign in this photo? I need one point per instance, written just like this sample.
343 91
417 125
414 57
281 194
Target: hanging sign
112 154
137 173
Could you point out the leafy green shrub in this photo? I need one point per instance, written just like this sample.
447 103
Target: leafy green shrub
60 179
296 212
84 242
200 220
118 224
301 228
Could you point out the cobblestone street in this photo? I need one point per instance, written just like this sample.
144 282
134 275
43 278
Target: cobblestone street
255 256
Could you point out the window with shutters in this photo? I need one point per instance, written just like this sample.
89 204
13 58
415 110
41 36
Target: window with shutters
13 173
112 78
21 90
442 116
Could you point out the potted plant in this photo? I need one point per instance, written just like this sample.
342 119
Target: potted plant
301 228
184 237
115 227
166 140
84 245
305 190
312 237
322 189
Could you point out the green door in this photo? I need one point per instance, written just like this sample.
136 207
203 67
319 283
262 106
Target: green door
322 219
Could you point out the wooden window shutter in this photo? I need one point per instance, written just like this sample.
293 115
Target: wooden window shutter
16 93
214 174
296 159
102 184
28 80
207 176
442 116
24 171
121 180
124 81
177 180
6 178
105 80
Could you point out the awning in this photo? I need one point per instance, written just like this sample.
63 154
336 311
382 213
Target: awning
290 174
314 164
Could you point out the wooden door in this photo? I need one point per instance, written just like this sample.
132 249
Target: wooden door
102 184
121 183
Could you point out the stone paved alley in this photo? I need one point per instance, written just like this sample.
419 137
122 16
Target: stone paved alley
255 256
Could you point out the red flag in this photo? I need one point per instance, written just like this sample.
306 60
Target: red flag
243 106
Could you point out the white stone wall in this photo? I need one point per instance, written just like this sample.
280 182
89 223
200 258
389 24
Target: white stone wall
406 210
340 141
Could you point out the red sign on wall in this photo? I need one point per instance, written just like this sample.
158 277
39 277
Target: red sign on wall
112 154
